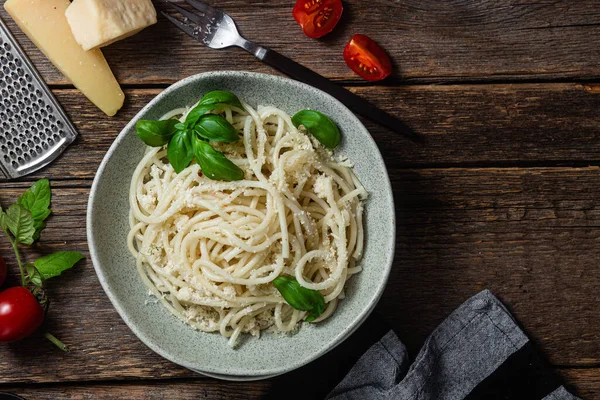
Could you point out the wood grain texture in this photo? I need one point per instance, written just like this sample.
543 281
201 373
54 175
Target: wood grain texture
429 41
465 125
530 235
586 380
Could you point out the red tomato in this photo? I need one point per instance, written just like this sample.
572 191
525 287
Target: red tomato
2 271
317 17
367 59
20 314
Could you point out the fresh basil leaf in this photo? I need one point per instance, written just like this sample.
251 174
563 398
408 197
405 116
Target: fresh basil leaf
156 133
221 97
33 274
3 223
320 126
180 151
20 222
54 264
36 199
197 112
214 164
299 297
216 128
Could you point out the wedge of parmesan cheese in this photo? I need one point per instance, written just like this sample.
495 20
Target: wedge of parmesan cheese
98 23
44 22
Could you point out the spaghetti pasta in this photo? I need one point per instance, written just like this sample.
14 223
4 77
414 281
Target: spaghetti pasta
209 250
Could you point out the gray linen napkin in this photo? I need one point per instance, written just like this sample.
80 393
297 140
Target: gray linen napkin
468 347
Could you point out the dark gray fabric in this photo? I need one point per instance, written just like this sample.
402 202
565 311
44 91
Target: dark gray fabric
560 394
465 349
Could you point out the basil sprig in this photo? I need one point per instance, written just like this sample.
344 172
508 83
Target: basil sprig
320 126
299 297
189 139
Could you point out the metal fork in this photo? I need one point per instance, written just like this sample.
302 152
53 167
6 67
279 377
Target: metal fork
217 30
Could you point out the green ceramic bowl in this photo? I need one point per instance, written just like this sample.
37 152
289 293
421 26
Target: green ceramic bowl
107 228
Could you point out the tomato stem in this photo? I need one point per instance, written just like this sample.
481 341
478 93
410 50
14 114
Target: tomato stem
16 249
56 342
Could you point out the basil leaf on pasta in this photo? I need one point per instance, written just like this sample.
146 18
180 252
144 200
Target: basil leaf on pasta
197 112
221 97
299 297
156 133
180 151
214 164
216 128
320 126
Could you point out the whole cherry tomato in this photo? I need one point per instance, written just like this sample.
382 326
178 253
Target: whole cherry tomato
20 314
317 17
2 271
367 59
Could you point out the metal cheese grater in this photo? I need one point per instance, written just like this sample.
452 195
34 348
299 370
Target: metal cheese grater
34 129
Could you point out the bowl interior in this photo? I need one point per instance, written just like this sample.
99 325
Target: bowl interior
108 227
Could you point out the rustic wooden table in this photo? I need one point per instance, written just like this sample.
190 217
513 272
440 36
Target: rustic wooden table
504 194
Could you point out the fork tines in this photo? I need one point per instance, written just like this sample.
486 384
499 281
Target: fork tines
204 18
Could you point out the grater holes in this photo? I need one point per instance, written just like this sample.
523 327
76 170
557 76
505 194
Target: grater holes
6 46
28 77
6 159
30 88
50 141
15 165
56 137
10 57
48 108
3 60
51 117
62 133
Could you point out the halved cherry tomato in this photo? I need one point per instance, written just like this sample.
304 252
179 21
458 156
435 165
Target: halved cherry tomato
20 314
367 59
317 17
2 271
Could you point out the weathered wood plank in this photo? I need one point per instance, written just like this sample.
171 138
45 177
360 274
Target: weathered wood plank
207 390
584 382
526 124
429 41
530 235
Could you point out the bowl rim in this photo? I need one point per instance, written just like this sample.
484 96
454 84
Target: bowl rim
239 375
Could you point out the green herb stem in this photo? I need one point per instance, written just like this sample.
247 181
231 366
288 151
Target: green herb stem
18 257
56 342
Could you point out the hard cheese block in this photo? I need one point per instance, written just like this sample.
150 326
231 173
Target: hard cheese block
45 24
98 23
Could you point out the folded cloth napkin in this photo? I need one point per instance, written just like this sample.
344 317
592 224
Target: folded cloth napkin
478 352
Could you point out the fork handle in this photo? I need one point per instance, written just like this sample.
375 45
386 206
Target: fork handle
351 100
